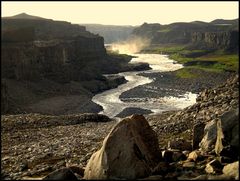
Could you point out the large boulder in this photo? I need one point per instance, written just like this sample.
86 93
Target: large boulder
210 136
228 131
222 132
129 151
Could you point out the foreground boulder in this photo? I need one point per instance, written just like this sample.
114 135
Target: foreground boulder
129 151
222 132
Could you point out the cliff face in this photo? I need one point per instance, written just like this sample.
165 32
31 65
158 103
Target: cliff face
223 40
33 60
37 48
40 58
204 35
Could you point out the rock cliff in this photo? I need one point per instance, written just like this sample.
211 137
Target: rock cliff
42 58
211 35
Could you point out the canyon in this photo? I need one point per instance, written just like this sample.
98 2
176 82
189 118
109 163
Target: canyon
52 129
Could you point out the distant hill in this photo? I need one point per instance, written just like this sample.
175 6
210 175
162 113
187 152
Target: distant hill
24 27
216 34
24 16
223 21
110 33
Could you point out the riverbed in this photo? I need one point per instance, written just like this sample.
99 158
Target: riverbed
113 105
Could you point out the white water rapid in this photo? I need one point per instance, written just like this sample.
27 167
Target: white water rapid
112 105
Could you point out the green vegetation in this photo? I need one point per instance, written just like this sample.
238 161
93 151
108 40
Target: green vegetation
223 61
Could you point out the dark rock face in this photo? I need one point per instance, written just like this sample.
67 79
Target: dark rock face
217 40
61 174
38 59
198 132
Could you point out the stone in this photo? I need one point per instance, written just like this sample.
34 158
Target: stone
227 130
212 177
180 144
129 151
161 169
178 155
210 136
167 155
198 132
188 164
232 170
78 170
194 156
224 159
214 167
153 177
61 174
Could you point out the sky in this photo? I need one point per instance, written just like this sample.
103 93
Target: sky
124 13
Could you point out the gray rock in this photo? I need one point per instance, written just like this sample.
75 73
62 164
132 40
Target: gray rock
198 132
227 130
129 151
180 144
210 136
61 174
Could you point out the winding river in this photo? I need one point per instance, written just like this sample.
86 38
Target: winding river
112 105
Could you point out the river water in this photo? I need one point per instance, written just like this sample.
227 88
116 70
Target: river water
112 105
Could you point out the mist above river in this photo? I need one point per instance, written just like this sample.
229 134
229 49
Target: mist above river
131 46
112 105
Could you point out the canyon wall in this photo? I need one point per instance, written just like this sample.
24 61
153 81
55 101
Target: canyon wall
41 57
198 34
223 40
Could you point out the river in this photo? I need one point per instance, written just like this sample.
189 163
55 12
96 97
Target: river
112 105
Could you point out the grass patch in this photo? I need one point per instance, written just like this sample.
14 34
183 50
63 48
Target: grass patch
186 73
167 49
225 62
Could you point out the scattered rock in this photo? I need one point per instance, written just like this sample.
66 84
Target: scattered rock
188 164
194 156
180 144
214 167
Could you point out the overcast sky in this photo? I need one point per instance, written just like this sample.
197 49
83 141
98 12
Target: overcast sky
124 13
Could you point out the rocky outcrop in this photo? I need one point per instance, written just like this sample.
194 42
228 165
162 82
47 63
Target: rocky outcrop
129 151
49 59
222 134
227 40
